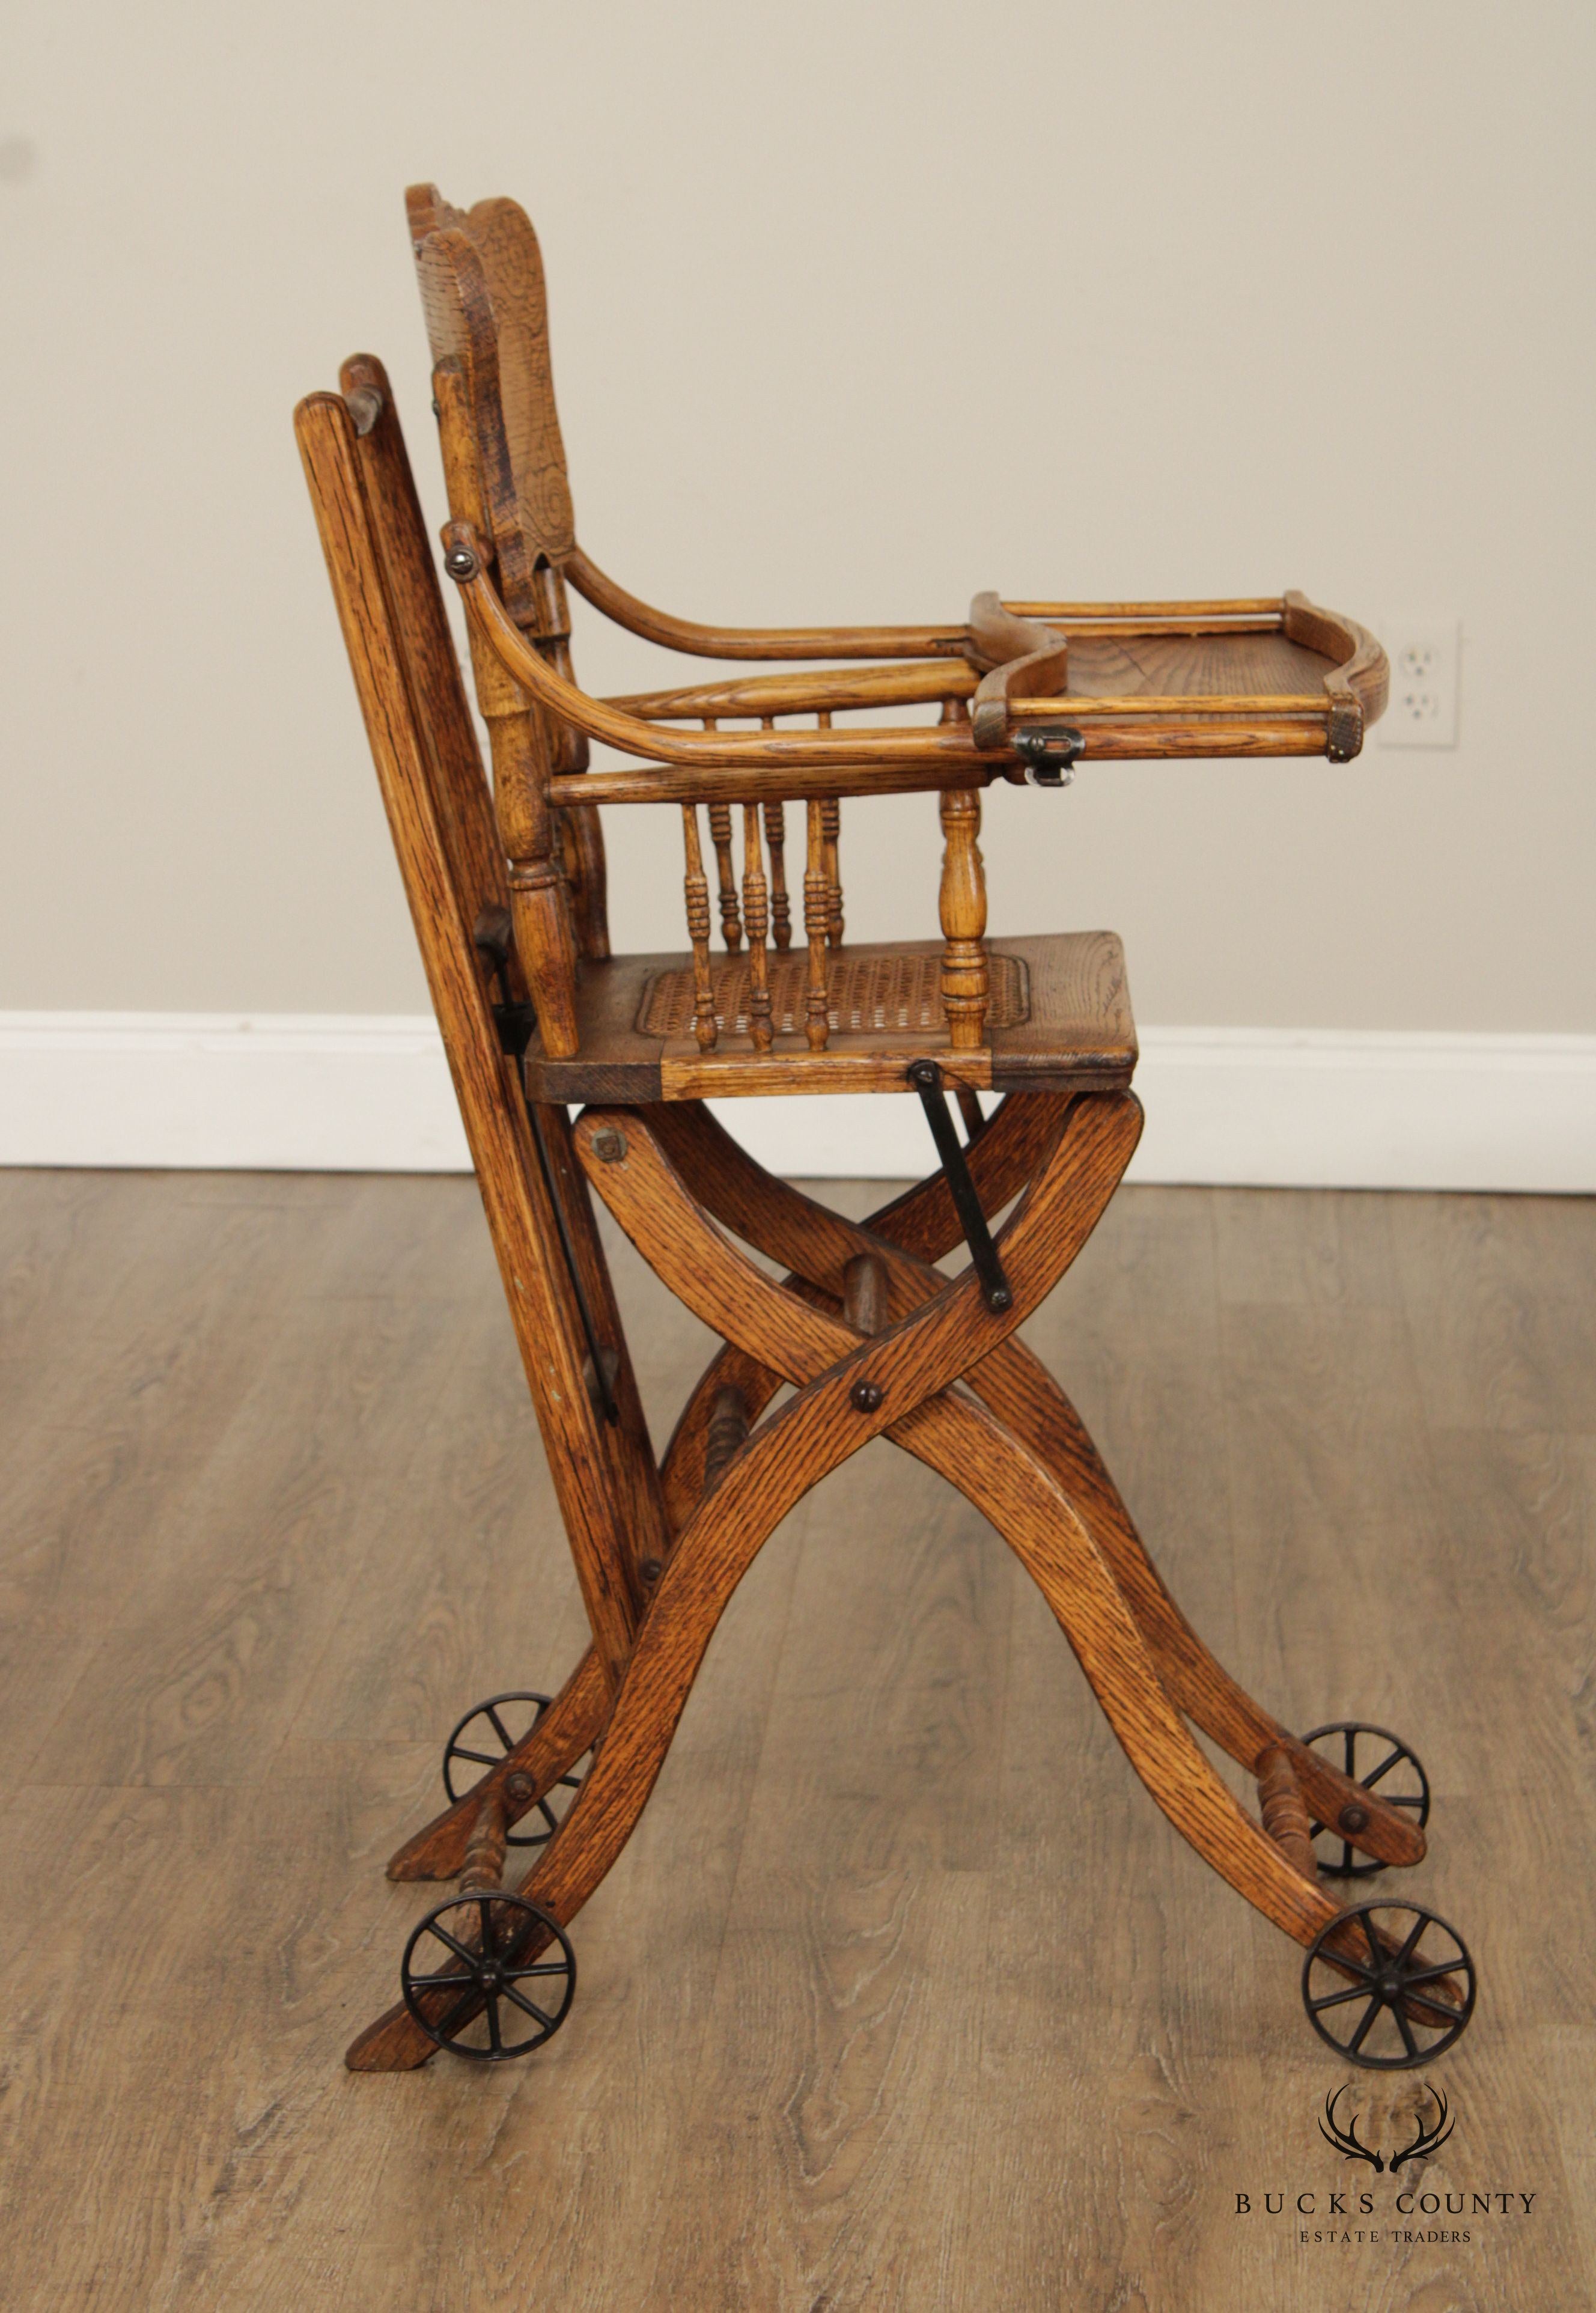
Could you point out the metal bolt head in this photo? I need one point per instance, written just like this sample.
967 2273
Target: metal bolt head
518 1788
866 1397
461 562
1353 1818
651 1569
609 1146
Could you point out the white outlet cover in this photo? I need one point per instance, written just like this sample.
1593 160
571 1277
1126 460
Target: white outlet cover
1423 655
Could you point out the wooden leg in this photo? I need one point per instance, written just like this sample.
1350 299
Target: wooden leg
974 1451
863 1390
817 1244
968 1445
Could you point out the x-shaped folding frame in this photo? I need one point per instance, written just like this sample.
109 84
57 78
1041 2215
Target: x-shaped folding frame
874 1340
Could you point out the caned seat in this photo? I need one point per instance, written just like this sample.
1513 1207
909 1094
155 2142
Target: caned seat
1058 1019
831 1332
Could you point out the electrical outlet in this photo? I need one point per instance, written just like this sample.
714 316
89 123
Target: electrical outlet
1423 712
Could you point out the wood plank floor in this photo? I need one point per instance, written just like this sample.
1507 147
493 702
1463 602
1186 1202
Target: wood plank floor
905 1995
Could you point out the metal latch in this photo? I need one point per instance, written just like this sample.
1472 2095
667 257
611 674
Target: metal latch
1049 752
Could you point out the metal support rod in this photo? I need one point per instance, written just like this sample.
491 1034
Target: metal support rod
926 1078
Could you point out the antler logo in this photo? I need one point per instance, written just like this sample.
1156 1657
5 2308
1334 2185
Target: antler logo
1428 2140
1347 2140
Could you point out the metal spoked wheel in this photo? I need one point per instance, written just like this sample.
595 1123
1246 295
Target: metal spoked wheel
489 1976
1388 1985
1372 1757
487 1732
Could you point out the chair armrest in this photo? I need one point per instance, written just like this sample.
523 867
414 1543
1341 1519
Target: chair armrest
770 763
918 682
700 641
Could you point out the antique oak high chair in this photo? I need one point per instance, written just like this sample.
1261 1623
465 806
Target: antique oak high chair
507 893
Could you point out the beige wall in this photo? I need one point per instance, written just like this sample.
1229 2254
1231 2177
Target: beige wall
856 309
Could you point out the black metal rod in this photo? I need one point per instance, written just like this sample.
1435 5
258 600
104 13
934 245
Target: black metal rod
926 1078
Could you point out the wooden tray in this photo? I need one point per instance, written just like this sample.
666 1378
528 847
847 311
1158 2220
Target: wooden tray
1271 676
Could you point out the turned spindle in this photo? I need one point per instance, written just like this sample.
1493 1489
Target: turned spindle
485 1850
697 887
781 906
1280 1803
720 835
965 990
756 917
831 820
817 915
531 844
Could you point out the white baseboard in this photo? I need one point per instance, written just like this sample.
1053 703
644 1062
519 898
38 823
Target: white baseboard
1277 1108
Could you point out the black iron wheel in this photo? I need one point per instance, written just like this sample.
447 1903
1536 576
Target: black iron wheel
1388 1985
485 1735
489 1976
1372 1757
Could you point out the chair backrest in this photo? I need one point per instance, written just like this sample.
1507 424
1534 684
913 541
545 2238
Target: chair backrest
483 294
396 633
481 276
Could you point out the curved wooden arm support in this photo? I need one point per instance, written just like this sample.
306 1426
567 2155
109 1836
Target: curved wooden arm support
698 641
942 752
756 766
913 684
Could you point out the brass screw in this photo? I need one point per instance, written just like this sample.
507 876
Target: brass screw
609 1146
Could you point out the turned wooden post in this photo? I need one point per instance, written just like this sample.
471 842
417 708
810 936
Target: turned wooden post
781 907
756 917
697 886
583 848
539 901
963 905
831 820
1284 1816
538 896
817 917
720 835
485 1850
